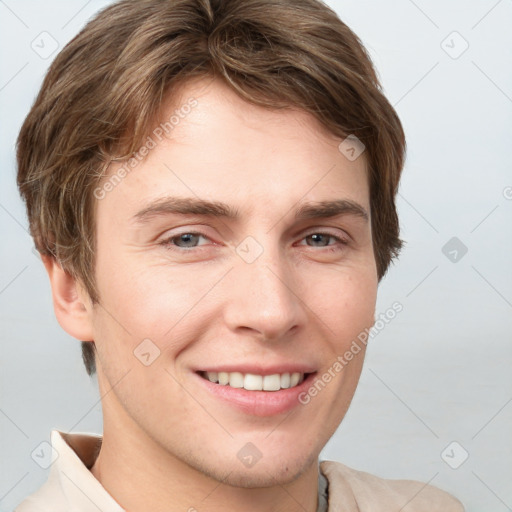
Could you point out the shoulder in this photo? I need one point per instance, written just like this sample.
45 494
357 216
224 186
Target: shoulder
366 492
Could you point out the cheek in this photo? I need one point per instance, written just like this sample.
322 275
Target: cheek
141 301
346 304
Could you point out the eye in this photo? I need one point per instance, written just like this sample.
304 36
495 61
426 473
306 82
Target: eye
321 239
188 240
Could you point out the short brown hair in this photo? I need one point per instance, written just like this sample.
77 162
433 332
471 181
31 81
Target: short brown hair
102 92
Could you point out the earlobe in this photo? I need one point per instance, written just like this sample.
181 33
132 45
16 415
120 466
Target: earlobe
71 304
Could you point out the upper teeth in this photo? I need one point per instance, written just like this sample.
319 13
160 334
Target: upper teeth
253 382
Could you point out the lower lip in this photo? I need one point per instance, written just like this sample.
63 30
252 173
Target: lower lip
259 403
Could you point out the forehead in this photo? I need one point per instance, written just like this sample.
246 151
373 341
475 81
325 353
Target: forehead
209 143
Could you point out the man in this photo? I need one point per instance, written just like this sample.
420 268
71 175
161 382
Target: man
211 187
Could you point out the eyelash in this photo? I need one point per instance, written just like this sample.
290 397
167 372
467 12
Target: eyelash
167 243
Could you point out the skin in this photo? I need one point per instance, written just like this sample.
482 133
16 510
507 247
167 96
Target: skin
168 443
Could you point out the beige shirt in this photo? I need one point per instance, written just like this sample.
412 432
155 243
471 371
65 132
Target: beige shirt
72 487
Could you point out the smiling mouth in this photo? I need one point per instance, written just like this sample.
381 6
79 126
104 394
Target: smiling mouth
253 382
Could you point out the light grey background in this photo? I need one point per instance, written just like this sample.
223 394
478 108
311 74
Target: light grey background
440 371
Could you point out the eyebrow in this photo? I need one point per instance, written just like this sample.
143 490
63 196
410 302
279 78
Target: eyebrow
203 207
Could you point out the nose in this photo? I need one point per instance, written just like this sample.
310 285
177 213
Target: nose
264 297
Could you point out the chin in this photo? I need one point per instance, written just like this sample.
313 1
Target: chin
267 472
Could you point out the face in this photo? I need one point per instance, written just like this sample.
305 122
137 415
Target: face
216 262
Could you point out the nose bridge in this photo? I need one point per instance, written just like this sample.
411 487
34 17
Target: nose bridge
263 297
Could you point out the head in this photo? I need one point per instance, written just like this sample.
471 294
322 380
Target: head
150 118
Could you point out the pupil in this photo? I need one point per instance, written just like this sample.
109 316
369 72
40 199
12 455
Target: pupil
187 238
317 236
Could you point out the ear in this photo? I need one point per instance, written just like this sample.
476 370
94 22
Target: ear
72 305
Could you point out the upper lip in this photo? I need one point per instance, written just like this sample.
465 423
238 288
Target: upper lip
260 369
